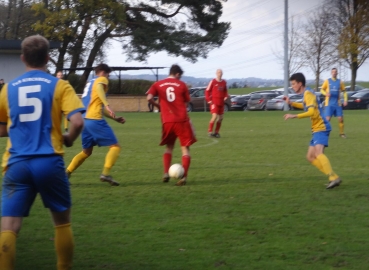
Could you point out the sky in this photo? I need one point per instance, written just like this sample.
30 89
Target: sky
249 50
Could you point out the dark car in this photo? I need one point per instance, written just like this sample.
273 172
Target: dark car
277 103
258 101
198 102
359 100
240 102
193 89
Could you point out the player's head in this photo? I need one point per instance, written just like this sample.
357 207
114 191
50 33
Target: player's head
103 70
35 51
1 81
334 73
219 74
175 71
59 74
297 81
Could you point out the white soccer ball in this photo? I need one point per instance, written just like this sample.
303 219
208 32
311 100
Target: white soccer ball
176 171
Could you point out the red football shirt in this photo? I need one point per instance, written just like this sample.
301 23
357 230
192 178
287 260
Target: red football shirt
173 95
216 92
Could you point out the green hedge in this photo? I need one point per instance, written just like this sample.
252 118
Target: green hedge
127 87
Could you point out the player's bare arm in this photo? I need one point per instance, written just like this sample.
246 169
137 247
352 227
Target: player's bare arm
76 126
289 116
150 99
3 131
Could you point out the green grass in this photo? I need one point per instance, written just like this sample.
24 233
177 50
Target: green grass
244 91
252 201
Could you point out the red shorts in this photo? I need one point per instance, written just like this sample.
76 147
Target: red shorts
181 130
218 109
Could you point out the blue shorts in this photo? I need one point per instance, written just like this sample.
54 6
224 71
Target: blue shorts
97 132
333 111
320 137
24 179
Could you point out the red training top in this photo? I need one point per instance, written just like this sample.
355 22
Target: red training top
216 92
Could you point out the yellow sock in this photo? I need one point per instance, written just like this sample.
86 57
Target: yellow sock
77 161
341 125
64 246
110 159
317 164
65 123
7 252
327 168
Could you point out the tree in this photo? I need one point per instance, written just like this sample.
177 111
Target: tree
319 50
352 18
184 28
295 42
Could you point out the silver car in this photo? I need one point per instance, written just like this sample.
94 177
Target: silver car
277 103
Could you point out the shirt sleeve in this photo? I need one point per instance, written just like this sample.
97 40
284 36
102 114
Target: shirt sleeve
324 88
208 91
4 105
309 113
226 89
101 93
70 102
297 105
342 86
152 90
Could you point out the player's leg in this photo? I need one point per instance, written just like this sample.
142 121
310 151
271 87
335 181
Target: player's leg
78 160
63 240
219 122
213 118
339 114
187 137
319 142
10 227
328 113
87 145
53 186
18 194
311 157
168 138
167 160
110 159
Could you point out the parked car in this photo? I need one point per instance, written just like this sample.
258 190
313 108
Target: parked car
279 91
359 100
240 102
349 94
277 103
193 89
258 101
198 102
357 88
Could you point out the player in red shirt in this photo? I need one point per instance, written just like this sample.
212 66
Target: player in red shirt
216 93
173 96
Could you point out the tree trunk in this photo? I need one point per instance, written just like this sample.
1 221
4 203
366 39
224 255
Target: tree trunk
91 58
18 19
354 67
77 49
317 79
7 19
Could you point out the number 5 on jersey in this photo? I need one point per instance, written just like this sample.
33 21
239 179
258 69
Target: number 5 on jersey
24 101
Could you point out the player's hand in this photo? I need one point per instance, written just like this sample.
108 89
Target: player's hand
120 119
66 140
344 103
328 94
111 112
210 102
289 116
287 99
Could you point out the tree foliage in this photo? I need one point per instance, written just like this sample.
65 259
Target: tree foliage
319 49
352 18
184 28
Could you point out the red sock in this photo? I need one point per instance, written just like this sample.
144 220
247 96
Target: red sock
218 127
167 159
186 160
211 125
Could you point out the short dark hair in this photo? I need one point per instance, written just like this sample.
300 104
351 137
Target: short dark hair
298 77
175 69
35 50
333 69
103 67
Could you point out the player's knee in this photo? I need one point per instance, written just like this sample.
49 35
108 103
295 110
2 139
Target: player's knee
310 158
88 152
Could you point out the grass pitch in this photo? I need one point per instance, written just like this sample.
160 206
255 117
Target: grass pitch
252 201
